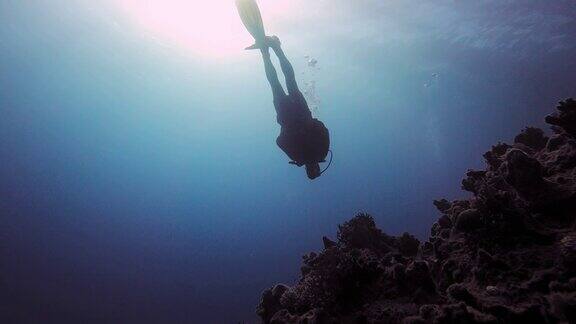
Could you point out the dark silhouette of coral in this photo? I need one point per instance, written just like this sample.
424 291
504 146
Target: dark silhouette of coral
506 255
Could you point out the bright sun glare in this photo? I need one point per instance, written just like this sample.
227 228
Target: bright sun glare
209 28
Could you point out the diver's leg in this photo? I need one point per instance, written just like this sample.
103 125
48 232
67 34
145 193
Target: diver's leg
271 74
287 68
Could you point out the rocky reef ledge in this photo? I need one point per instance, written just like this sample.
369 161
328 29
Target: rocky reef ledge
506 255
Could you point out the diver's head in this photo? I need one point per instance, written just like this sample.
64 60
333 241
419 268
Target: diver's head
313 170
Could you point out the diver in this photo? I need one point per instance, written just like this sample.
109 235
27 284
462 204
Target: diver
303 138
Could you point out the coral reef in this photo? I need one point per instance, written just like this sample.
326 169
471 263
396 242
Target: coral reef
506 255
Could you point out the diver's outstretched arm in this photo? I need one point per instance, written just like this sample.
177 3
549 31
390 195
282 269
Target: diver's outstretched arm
287 69
271 74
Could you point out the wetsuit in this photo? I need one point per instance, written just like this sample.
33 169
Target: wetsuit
303 138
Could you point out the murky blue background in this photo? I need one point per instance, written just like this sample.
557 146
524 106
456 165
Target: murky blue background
139 183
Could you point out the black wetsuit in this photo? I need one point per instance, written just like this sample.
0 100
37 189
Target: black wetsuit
303 138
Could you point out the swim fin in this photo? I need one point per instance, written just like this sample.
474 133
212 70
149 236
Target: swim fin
252 20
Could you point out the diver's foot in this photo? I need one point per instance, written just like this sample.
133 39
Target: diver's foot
255 46
273 42
269 42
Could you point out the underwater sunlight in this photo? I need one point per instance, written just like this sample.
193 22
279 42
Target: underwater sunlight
206 28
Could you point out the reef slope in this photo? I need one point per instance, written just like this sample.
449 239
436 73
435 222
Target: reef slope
506 255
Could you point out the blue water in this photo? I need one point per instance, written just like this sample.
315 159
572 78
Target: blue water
141 183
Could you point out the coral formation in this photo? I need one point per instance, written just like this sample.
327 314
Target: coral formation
506 255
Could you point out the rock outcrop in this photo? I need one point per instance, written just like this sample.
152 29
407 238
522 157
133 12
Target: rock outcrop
506 255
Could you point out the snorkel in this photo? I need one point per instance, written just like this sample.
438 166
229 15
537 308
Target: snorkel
329 162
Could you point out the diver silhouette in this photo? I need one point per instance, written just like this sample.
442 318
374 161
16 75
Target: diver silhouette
303 138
